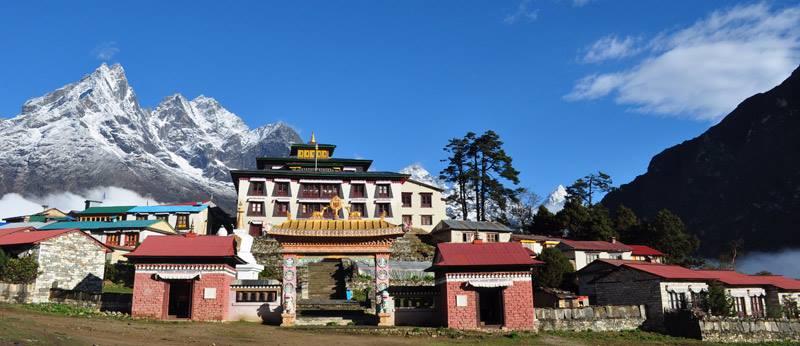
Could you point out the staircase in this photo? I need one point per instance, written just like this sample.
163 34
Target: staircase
325 280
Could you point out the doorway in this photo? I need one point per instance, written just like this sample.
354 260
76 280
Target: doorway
490 307
180 299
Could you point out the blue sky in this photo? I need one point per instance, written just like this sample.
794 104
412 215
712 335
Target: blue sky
571 86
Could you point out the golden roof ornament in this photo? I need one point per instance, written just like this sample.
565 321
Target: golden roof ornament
313 138
335 205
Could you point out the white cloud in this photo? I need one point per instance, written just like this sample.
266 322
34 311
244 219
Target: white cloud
14 204
610 47
524 12
579 3
703 71
782 262
105 51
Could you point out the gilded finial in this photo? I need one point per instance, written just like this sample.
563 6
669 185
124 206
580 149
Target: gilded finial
313 138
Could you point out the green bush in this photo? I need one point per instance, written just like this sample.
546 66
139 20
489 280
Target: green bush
120 273
717 302
3 258
555 270
19 270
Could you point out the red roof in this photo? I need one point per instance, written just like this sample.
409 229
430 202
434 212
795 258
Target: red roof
482 254
23 236
7 231
644 250
595 245
669 271
185 246
781 282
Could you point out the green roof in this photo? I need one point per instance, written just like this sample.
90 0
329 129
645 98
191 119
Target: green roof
106 210
96 225
235 174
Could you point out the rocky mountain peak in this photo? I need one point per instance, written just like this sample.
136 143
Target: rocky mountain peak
186 145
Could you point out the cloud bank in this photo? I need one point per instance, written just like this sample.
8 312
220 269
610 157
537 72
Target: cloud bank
781 262
702 71
105 51
524 12
14 204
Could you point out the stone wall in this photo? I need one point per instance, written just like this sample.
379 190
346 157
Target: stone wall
717 329
72 262
631 287
594 318
15 293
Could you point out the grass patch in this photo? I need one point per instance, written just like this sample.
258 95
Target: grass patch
113 287
69 310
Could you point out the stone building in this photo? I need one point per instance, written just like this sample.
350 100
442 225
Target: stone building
461 231
121 236
484 285
68 260
184 277
581 252
298 186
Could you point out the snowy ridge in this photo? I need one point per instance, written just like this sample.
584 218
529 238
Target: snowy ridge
420 174
555 201
93 133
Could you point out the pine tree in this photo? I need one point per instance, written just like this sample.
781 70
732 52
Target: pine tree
555 269
584 189
546 223
666 232
490 163
457 171
628 225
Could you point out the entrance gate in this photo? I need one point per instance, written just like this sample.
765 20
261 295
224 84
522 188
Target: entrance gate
310 241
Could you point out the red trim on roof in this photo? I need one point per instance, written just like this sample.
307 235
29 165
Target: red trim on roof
7 231
595 245
32 236
644 250
182 246
482 254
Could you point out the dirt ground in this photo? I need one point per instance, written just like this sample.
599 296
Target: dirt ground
23 327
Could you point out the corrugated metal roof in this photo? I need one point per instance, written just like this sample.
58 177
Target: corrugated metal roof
595 245
106 210
185 246
23 224
90 225
168 209
669 271
447 225
481 254
31 236
644 250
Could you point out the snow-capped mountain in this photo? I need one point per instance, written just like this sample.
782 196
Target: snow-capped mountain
93 133
420 174
555 201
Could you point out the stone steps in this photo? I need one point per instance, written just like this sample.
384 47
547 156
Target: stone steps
324 321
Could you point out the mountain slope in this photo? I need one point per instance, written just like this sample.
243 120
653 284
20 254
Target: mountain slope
556 199
93 133
738 180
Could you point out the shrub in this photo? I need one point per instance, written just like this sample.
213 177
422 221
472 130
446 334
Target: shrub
554 271
120 273
20 270
717 302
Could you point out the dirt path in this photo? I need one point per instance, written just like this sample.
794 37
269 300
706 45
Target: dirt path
18 326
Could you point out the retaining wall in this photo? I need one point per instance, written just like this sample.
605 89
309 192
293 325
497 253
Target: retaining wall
595 318
723 329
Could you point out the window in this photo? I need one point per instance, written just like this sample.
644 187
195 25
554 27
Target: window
308 209
131 239
256 296
255 230
281 209
757 306
358 191
677 301
590 257
182 221
383 191
361 208
467 237
426 220
112 239
256 188
281 190
406 198
407 220
426 200
162 217
491 237
256 209
739 306
383 210
141 216
319 190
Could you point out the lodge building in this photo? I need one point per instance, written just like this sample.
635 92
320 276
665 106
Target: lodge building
298 186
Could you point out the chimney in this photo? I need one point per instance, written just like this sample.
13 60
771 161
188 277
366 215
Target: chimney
86 204
477 241
613 240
